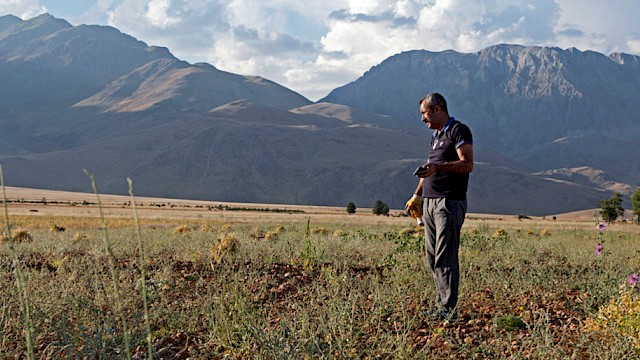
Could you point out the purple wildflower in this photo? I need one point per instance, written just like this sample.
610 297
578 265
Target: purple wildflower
602 226
599 249
633 279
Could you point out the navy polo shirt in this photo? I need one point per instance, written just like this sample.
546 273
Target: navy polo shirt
443 149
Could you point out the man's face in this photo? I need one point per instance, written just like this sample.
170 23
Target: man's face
430 115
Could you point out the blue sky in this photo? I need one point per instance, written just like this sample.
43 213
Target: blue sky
315 46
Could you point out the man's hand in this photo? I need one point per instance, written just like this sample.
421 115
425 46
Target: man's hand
426 171
413 207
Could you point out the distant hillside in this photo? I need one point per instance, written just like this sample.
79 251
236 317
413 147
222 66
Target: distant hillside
546 108
60 77
89 97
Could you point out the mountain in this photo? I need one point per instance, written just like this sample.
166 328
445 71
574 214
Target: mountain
60 76
90 97
545 108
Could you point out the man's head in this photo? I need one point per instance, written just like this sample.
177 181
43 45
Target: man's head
433 108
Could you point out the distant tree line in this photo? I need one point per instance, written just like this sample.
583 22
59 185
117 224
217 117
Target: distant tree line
379 208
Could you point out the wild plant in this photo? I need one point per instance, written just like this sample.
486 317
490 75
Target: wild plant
227 243
112 267
143 268
309 252
20 281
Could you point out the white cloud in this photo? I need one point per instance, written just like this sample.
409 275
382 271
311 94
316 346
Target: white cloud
157 14
24 9
634 45
315 46
604 26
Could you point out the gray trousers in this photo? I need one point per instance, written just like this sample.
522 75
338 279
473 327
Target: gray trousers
442 223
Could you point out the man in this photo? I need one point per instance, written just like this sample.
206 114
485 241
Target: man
443 191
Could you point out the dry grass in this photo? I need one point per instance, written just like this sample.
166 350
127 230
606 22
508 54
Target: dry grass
227 244
21 235
56 228
223 292
181 230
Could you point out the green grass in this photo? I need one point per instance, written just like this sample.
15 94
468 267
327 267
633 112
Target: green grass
362 298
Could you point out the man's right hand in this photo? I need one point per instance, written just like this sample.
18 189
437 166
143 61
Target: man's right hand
413 207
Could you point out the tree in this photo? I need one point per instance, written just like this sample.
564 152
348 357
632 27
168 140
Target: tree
635 203
380 208
611 208
351 208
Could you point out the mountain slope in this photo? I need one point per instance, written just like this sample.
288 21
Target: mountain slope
545 108
90 97
48 66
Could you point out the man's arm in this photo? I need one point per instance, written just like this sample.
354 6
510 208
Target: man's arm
463 165
418 191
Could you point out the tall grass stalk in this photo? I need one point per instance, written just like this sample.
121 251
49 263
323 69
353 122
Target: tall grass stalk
143 267
17 268
112 266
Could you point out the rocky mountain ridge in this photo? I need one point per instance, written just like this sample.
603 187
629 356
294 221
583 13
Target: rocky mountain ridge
90 97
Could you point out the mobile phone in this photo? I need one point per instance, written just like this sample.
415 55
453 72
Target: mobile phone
417 170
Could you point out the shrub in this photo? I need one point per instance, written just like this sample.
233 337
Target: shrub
206 228
351 208
56 228
621 316
380 208
227 243
182 229
510 322
257 233
78 236
21 235
319 230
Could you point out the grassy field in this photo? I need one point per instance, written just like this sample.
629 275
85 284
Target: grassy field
311 283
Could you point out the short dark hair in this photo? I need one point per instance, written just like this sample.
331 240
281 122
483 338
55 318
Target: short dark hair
435 99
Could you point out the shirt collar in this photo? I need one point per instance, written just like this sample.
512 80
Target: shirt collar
446 126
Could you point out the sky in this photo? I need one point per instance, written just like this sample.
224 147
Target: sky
313 47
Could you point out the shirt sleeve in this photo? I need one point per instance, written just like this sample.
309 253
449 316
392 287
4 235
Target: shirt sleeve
462 135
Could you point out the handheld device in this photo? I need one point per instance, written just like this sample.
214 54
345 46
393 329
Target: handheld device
417 170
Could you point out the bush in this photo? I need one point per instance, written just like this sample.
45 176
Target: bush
351 208
620 316
380 208
510 323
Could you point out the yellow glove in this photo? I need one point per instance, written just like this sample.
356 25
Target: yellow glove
413 207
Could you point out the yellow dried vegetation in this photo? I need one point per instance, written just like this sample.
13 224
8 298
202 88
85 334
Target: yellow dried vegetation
621 316
339 233
56 228
18 235
415 231
500 233
79 236
260 234
257 233
181 230
319 230
206 228
227 243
